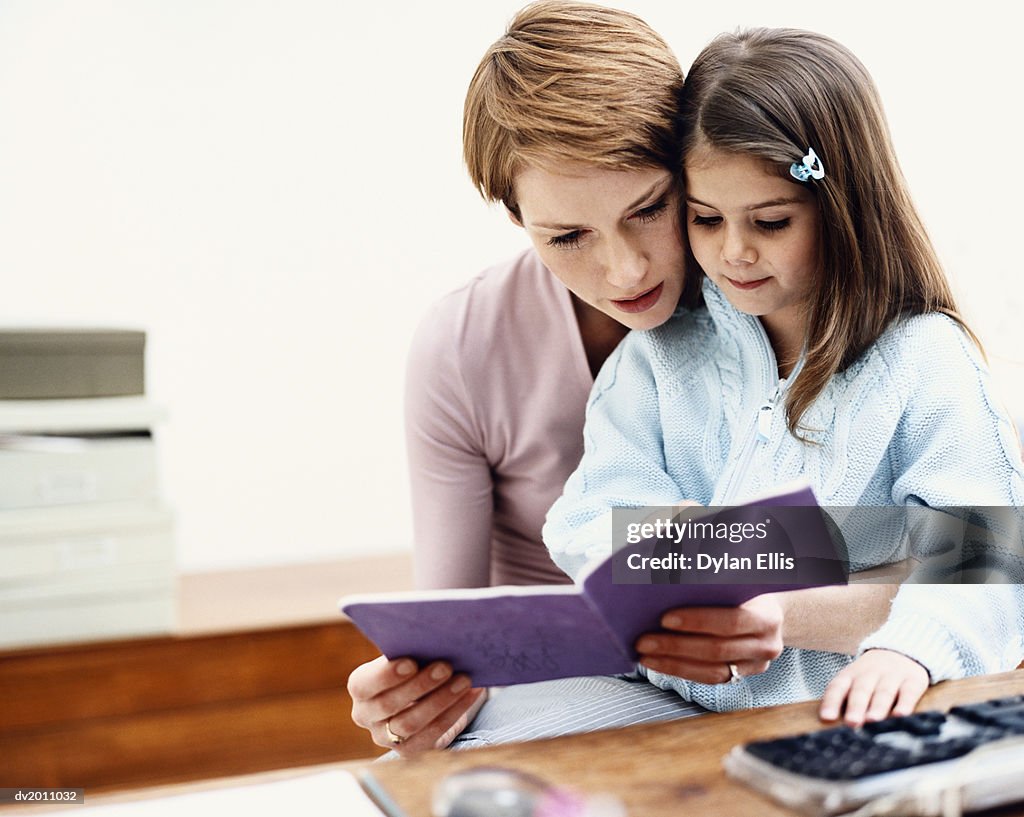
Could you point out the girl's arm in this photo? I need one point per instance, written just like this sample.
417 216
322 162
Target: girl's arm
622 467
956 458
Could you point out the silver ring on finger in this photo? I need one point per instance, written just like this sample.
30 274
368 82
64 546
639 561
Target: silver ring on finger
734 676
393 739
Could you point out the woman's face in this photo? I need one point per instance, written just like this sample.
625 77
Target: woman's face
612 237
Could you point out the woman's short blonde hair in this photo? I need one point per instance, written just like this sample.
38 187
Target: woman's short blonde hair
571 82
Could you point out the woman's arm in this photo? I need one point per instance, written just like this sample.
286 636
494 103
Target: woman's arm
701 642
834 619
452 506
705 641
449 476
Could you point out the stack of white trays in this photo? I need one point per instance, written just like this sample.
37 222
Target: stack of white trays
86 545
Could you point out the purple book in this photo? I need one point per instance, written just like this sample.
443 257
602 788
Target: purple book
516 635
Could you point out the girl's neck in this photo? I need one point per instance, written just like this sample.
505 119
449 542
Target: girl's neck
787 341
599 332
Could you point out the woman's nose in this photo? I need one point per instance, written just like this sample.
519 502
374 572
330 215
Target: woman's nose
626 264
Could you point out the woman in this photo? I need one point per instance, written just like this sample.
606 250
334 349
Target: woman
571 122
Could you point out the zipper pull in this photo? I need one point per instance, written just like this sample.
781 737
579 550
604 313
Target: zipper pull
764 415
764 421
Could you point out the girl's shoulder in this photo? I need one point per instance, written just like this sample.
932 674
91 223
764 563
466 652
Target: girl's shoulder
928 343
679 347
665 358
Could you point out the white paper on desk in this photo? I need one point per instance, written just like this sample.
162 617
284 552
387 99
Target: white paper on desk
334 793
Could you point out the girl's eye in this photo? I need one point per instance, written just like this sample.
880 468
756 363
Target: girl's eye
773 226
652 212
566 240
706 221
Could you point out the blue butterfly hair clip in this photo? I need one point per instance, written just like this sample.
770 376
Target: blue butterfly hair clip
809 167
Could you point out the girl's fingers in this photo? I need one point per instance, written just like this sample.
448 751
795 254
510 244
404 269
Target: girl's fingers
834 697
910 693
858 698
882 700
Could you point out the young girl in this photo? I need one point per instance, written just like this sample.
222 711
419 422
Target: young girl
829 348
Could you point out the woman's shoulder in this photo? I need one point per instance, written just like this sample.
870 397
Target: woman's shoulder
505 298
510 327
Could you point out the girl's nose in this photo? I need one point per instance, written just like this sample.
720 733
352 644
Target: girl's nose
736 249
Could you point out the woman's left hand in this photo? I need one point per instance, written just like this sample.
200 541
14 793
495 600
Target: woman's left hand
702 642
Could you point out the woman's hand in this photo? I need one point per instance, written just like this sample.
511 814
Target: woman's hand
426 708
704 641
878 684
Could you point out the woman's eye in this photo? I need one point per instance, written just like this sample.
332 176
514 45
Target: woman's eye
566 240
706 221
773 226
652 212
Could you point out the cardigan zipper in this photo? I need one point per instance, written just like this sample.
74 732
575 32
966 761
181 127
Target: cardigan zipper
759 433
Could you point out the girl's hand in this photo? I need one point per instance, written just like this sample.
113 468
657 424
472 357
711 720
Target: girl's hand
878 684
427 708
704 641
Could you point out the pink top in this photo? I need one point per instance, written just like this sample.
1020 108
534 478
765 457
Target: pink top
496 389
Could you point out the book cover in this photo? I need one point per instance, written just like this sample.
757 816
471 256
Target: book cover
694 557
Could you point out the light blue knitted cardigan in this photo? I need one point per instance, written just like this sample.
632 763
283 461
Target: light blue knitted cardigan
676 413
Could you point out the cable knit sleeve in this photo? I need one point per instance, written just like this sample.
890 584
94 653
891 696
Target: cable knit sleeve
955 447
623 462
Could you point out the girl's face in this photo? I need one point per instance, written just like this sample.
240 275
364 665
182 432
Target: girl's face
612 237
756 236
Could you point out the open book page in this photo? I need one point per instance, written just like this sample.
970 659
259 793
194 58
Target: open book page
517 635
499 635
710 557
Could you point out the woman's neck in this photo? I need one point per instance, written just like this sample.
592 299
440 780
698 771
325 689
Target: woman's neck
599 332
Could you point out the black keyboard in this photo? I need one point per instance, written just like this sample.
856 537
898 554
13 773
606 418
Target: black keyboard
835 770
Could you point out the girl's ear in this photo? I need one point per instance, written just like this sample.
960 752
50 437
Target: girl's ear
513 216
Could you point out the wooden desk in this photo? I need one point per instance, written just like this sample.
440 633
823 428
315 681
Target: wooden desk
253 679
657 770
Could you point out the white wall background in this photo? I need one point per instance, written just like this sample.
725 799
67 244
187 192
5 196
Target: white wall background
274 191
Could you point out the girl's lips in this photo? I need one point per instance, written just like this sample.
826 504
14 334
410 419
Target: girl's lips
747 284
641 303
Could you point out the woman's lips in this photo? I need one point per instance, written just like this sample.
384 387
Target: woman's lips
747 284
641 303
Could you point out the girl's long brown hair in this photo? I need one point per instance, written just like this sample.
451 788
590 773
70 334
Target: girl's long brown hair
774 93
